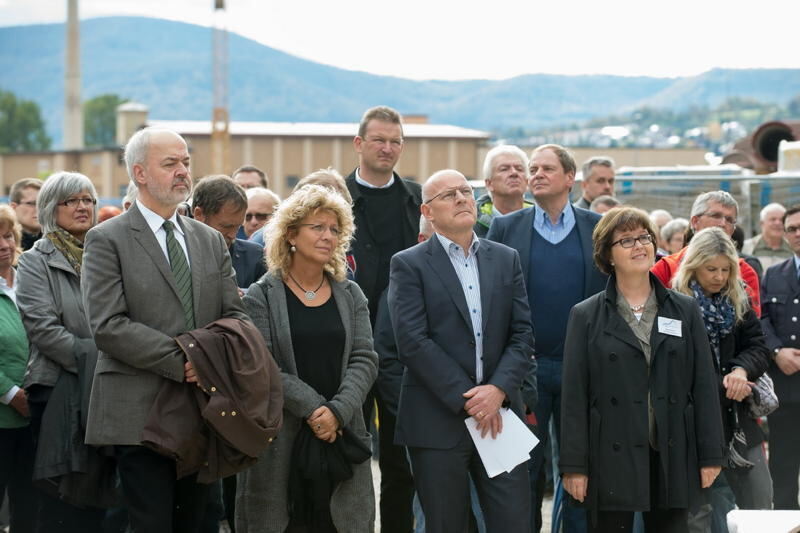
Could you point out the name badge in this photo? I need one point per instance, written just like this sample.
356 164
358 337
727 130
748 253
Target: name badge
669 326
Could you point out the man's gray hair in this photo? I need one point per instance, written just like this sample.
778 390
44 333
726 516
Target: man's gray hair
606 200
774 206
503 149
596 161
137 146
57 188
261 191
700 205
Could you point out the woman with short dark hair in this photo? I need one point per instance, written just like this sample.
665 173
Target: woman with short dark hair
639 411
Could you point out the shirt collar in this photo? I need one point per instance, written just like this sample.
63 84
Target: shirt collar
155 221
360 181
566 217
450 245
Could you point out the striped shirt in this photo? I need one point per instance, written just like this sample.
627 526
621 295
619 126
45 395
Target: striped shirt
554 233
467 272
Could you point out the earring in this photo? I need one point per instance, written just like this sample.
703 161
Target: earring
293 248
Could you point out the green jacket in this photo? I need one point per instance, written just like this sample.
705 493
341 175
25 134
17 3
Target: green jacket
485 208
13 359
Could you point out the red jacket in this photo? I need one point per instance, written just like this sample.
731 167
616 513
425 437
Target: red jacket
667 267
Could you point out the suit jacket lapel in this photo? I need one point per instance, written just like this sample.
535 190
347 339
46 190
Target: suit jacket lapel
196 263
585 234
487 276
523 241
443 268
147 240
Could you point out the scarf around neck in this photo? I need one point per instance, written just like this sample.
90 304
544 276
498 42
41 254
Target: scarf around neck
69 246
718 314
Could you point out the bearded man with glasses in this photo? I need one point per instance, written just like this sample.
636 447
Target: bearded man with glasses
712 209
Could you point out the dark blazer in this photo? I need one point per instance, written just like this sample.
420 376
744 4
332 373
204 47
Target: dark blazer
365 246
604 410
744 347
515 230
780 319
247 258
435 339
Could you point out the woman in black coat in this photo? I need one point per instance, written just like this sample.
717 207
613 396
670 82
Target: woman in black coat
710 273
640 415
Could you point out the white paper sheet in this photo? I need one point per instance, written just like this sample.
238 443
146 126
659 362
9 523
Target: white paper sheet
511 447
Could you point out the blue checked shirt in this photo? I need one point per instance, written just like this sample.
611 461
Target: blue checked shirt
554 233
467 271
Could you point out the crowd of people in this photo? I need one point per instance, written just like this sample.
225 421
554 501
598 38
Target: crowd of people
210 352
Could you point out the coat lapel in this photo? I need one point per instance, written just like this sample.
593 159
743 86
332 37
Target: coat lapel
196 262
279 320
522 242
486 275
790 273
585 229
344 303
443 268
147 240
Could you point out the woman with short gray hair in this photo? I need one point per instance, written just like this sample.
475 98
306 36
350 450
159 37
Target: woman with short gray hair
62 356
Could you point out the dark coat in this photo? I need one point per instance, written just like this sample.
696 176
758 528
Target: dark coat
247 258
219 426
365 248
744 347
604 412
435 338
780 320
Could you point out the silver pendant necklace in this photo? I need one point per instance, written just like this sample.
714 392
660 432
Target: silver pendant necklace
310 295
638 308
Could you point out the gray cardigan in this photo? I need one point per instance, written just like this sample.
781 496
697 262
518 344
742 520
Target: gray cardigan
262 491
49 299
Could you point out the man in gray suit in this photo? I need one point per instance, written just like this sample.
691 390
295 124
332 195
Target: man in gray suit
460 316
148 276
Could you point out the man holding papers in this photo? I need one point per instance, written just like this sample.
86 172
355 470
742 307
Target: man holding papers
462 323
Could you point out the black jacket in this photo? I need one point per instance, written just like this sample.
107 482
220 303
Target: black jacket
364 248
604 413
780 319
744 347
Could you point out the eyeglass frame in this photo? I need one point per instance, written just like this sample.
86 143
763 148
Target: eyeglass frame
465 190
86 202
266 216
719 216
633 240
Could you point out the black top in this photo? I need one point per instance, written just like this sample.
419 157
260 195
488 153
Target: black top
318 342
28 239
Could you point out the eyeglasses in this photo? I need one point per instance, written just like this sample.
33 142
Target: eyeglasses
449 195
792 229
628 242
320 229
261 217
73 203
731 221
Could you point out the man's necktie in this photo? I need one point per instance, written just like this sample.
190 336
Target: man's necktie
181 273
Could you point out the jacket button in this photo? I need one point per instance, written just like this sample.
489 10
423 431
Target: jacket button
793 337
613 401
796 301
269 439
233 413
774 300
213 389
616 446
191 345
613 356
222 413
794 319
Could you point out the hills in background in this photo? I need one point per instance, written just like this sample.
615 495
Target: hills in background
167 66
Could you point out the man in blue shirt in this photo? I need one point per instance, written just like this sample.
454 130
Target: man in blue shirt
554 241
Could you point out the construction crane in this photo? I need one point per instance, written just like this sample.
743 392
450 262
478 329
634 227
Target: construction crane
220 135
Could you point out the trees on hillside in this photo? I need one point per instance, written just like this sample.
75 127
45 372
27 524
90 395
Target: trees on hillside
21 125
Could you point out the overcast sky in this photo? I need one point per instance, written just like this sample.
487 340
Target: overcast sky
459 39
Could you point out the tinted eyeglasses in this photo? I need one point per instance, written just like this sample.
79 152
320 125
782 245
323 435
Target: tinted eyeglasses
261 217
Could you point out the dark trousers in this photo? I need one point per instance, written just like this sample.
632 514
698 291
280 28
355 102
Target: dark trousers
784 455
397 484
657 520
548 380
442 481
16 471
55 515
158 502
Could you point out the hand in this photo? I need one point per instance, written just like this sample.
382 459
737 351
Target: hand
483 401
491 423
788 360
188 373
708 474
20 403
576 485
736 386
323 423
